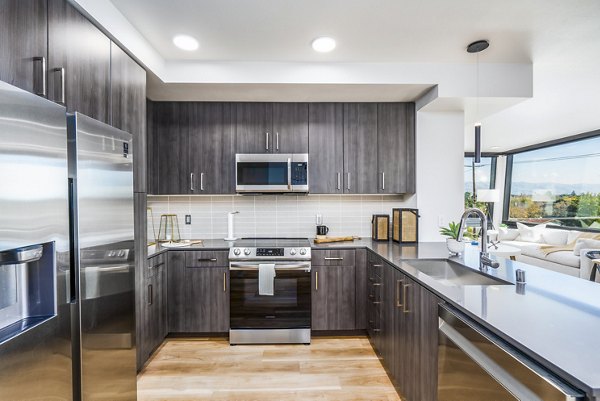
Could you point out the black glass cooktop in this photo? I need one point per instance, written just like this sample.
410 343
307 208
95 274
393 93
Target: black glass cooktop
272 243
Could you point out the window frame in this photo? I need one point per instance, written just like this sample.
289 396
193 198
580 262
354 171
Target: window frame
508 176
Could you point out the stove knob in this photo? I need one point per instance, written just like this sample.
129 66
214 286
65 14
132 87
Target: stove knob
247 251
237 251
302 251
292 251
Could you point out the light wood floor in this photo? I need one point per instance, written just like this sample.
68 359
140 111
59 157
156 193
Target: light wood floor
331 368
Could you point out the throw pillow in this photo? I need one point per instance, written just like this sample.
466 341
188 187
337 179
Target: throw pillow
572 237
531 234
585 244
506 234
555 237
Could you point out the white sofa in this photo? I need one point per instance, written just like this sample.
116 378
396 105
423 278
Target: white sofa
534 249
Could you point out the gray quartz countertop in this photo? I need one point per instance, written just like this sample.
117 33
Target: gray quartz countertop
553 318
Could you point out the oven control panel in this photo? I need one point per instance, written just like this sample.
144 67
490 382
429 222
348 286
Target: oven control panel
269 252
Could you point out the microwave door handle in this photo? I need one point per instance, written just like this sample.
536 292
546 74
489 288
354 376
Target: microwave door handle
289 174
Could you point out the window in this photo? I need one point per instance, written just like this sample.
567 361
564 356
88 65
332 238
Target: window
485 173
558 185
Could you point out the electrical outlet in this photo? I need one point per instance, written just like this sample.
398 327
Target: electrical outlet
441 221
188 219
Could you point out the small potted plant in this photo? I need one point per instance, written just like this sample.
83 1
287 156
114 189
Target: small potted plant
454 246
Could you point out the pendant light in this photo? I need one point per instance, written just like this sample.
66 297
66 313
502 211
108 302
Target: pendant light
477 47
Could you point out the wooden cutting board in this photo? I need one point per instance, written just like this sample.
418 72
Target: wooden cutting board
334 239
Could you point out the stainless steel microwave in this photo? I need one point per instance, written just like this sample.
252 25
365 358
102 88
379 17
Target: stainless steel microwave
271 173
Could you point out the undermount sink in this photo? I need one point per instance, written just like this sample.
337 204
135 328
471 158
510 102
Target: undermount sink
452 273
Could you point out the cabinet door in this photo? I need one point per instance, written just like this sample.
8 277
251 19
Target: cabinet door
175 291
206 300
23 40
333 298
395 143
212 148
388 329
162 302
361 289
79 62
128 106
151 151
400 365
425 341
290 127
326 148
219 300
360 148
253 128
171 148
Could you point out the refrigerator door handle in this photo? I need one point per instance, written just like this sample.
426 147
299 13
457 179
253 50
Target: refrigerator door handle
72 243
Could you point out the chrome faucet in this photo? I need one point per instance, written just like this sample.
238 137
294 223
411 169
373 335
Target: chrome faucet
484 256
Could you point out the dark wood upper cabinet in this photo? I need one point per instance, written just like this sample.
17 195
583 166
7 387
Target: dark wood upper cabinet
78 62
395 148
23 40
128 107
271 127
253 128
290 127
360 148
326 147
212 148
170 150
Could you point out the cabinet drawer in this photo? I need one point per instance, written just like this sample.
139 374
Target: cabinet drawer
206 258
333 257
375 271
154 264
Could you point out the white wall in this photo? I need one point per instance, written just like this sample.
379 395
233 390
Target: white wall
440 175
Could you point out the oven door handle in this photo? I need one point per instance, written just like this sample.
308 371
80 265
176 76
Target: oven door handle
287 267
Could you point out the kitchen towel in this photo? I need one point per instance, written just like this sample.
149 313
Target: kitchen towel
266 278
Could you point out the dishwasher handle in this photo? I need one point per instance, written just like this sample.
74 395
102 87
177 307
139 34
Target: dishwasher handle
448 319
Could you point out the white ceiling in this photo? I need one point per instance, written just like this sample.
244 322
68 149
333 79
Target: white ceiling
560 38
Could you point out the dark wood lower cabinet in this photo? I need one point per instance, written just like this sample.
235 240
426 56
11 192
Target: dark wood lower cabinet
206 298
153 308
198 292
333 298
402 321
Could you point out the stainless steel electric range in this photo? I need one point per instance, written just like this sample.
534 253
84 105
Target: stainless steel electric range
283 317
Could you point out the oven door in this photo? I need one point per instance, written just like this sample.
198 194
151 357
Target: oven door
258 173
288 308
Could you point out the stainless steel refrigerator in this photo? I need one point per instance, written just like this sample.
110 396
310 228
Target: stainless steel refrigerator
67 315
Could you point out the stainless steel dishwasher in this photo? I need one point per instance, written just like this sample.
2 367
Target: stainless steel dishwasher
474 364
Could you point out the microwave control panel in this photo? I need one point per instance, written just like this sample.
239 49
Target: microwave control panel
299 173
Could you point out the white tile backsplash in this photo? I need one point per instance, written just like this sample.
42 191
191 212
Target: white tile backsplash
274 215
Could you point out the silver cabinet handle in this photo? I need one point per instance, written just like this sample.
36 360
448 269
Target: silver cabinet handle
289 173
267 141
336 258
150 295
348 181
42 60
277 141
207 260
201 181
61 71
382 180
339 176
224 282
192 182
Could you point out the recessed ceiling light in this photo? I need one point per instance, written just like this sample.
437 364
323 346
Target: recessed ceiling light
186 42
323 44
495 147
